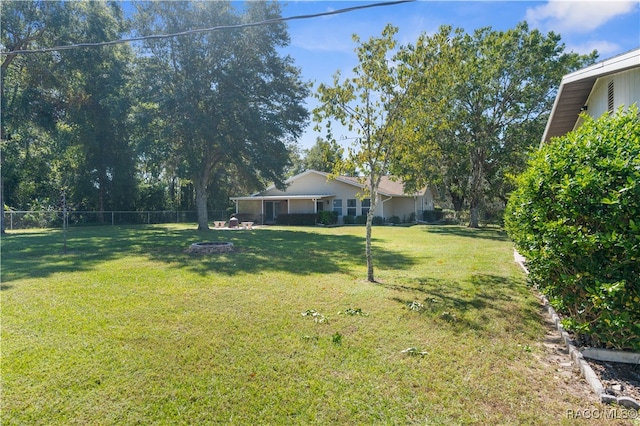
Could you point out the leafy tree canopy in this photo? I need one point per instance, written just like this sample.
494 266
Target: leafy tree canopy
224 99
481 103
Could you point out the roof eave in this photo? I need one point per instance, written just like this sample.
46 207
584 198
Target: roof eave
576 87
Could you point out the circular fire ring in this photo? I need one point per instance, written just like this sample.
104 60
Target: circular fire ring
210 247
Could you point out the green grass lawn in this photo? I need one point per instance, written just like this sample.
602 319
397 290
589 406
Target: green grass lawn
127 328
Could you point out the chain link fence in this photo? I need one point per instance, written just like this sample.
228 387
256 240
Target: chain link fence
54 218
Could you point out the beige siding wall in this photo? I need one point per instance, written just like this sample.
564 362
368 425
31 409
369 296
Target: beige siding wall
404 206
401 207
301 206
311 183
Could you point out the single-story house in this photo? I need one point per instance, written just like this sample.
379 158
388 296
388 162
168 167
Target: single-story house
313 191
597 89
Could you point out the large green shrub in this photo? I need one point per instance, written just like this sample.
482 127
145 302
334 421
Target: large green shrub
575 216
327 217
432 216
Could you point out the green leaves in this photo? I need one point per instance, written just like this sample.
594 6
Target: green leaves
574 216
478 106
227 99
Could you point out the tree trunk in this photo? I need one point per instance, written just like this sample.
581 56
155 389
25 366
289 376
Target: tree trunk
373 193
477 180
201 204
2 228
474 215
368 253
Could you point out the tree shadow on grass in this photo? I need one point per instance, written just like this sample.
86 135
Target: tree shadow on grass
473 304
41 254
296 251
487 233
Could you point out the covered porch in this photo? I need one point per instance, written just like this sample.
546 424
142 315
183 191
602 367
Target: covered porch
264 209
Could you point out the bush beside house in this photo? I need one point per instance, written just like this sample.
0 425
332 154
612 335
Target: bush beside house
575 216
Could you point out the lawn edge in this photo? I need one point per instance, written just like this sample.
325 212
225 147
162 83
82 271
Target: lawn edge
576 356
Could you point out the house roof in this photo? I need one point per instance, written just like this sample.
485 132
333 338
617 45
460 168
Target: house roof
283 197
388 187
576 87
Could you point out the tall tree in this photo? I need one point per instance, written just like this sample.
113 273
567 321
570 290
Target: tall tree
26 113
370 104
324 156
63 112
99 158
227 99
484 99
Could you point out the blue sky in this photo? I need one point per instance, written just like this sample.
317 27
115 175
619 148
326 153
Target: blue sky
321 46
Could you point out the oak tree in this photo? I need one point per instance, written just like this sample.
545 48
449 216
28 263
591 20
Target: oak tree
225 101
482 100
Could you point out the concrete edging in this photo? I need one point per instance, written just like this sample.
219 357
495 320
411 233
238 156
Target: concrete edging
576 356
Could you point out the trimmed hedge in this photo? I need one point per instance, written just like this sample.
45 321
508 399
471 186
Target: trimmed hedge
575 217
348 220
297 219
395 220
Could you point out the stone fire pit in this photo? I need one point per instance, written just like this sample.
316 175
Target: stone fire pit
211 247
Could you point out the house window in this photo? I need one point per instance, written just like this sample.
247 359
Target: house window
366 205
351 207
337 206
610 96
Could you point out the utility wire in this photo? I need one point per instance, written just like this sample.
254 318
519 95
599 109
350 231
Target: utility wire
204 30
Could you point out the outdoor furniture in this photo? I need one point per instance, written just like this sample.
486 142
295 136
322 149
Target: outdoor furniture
247 225
219 223
233 222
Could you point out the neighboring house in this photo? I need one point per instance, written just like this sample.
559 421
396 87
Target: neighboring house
312 191
596 89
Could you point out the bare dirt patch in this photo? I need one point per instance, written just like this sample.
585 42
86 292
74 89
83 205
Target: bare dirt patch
556 354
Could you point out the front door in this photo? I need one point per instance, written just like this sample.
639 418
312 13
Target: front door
269 212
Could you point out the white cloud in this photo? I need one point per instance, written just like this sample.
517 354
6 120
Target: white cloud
564 16
604 48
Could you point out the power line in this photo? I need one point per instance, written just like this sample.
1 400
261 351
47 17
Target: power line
204 30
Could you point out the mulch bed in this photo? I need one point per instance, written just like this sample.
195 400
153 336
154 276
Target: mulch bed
618 379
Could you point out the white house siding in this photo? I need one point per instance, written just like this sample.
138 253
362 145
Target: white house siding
626 92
